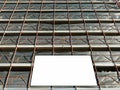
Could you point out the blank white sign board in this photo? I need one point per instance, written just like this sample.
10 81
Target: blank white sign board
63 71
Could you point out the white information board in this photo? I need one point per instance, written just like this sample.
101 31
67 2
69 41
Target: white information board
63 71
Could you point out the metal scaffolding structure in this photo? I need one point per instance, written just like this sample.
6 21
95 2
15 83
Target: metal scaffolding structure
59 27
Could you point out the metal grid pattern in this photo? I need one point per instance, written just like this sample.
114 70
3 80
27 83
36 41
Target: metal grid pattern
59 27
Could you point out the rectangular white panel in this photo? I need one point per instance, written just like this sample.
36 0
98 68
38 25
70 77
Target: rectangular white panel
63 71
